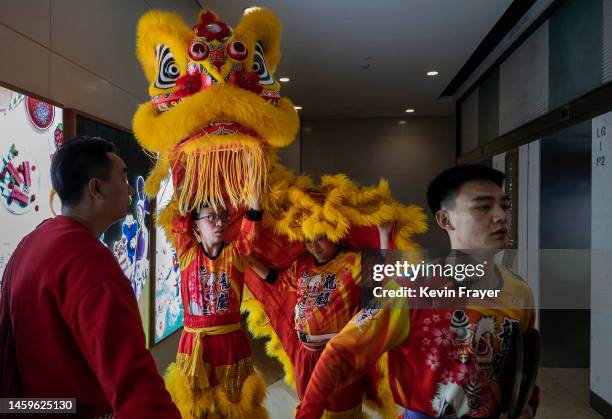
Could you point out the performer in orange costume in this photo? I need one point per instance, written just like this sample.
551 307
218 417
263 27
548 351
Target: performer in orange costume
214 370
327 284
447 361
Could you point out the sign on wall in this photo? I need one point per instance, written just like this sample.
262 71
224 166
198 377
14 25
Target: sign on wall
168 314
601 245
31 130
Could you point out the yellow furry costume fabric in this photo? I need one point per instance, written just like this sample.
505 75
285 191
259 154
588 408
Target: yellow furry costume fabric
212 402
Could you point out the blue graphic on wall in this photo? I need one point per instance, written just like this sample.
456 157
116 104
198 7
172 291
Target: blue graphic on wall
132 248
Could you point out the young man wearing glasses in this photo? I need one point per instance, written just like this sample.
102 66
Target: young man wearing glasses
214 370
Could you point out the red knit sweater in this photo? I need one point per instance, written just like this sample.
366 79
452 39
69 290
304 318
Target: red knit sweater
76 326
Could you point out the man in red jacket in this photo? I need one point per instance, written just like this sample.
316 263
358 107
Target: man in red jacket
67 307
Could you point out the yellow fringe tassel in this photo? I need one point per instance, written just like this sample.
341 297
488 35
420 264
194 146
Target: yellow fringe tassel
238 170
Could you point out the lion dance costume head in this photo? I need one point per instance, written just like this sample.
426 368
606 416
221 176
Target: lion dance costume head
216 113
216 118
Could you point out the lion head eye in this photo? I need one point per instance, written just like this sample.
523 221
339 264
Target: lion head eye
167 69
259 66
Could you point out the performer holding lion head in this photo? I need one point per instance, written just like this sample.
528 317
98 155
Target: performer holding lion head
213 124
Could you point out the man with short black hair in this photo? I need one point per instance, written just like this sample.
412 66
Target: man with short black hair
68 309
444 188
447 360
468 202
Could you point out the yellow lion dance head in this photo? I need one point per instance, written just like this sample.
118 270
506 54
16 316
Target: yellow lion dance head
215 119
215 106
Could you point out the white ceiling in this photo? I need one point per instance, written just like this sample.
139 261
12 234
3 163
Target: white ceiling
345 58
361 58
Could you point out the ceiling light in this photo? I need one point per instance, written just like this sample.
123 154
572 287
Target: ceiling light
284 79
410 110
297 108
402 122
432 73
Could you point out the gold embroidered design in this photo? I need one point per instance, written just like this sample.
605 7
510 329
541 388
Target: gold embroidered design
231 377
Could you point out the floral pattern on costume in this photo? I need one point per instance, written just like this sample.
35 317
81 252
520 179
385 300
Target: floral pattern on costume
467 356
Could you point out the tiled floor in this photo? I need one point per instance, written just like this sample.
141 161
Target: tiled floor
281 399
564 392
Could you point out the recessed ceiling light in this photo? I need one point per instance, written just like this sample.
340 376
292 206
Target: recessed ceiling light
284 79
432 73
297 108
402 122
410 110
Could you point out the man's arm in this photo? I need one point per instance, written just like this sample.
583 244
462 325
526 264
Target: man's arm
385 232
107 327
351 353
262 270
183 238
526 323
284 279
249 229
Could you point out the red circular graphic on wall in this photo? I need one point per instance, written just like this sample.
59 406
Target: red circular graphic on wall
41 114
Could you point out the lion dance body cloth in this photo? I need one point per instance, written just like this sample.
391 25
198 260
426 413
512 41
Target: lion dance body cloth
213 124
